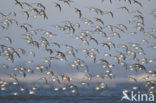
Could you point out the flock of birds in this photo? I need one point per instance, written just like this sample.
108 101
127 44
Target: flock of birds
97 43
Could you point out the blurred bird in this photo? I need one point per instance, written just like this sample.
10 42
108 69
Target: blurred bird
78 11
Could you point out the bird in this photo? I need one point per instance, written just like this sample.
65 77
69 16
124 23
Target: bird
58 6
129 1
106 45
109 1
43 14
99 20
18 3
9 39
26 13
124 8
49 50
137 3
123 26
93 39
44 79
41 6
137 12
116 34
26 4
131 78
16 53
66 2
25 26
109 27
96 10
71 52
109 13
55 44
84 83
79 12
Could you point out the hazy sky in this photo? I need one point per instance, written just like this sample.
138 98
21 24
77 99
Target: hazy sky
68 14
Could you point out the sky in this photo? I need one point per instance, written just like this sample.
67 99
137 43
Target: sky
68 14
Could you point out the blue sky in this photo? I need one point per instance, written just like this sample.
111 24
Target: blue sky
68 14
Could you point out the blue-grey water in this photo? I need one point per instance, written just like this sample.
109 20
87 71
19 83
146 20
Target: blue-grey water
84 95
49 96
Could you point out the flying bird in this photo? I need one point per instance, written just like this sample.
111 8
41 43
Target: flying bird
78 11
